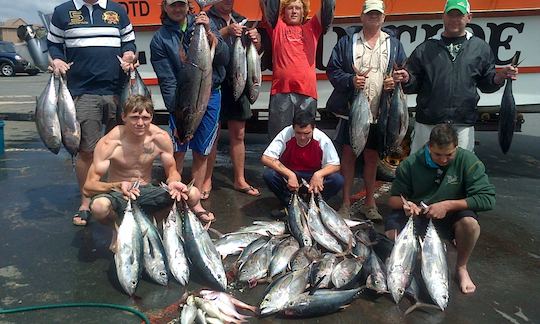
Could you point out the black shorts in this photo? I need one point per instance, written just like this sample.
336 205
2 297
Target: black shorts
239 110
445 227
342 134
152 199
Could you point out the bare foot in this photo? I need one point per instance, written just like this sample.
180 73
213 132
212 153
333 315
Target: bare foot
465 282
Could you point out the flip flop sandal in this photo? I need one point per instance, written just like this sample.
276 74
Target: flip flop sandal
246 191
84 217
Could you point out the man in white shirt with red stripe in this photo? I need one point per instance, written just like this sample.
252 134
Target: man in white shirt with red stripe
302 151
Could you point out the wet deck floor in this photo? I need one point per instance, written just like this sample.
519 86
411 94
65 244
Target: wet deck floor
46 260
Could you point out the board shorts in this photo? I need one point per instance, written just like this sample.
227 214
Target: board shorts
94 111
152 199
206 133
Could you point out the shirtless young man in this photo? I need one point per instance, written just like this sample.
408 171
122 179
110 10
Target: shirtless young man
125 155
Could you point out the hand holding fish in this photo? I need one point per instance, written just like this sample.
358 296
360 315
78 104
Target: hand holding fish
437 210
59 67
129 61
292 183
235 30
401 75
410 208
388 83
316 184
178 190
203 19
130 190
507 72
359 81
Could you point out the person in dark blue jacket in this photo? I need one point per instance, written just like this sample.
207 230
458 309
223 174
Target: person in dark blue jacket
373 50
84 39
176 32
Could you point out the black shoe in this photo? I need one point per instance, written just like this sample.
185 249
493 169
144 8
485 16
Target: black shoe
279 213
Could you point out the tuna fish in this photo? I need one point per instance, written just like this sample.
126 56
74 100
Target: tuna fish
319 233
192 96
376 280
401 261
285 288
256 266
321 271
134 85
234 243
174 247
128 256
434 266
346 273
282 255
321 302
254 73
398 120
154 255
201 251
250 249
297 222
238 66
264 227
508 113
335 223
359 119
47 121
69 126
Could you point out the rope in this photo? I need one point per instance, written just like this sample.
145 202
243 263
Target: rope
53 306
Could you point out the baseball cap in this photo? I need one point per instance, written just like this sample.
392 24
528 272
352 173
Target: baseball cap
370 5
462 5
170 2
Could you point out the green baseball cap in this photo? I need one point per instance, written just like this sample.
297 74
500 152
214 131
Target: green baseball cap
462 5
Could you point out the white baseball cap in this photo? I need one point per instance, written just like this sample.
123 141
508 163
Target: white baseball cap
373 5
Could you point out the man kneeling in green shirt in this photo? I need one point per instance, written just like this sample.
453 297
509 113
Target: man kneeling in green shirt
447 184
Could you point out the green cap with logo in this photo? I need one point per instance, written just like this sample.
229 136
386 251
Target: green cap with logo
462 5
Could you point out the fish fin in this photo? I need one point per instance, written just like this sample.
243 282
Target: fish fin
314 288
216 232
420 305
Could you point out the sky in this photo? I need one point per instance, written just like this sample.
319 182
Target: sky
26 9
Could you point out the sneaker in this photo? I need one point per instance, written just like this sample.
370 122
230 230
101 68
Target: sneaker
279 213
371 213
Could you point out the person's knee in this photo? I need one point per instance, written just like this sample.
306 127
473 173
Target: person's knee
101 209
268 175
468 226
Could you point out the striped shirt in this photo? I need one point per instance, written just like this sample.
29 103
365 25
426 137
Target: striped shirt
90 37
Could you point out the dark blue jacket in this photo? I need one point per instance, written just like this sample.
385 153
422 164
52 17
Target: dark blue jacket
166 62
340 70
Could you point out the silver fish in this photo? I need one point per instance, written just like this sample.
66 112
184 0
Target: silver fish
238 67
254 73
305 256
282 290
321 271
335 223
282 256
192 96
434 266
174 247
321 302
359 119
400 264
189 311
318 231
398 120
201 251
376 280
234 243
154 255
346 272
69 126
297 222
264 227
250 249
256 266
128 256
47 121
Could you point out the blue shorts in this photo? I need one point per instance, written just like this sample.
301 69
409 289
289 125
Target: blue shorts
445 227
206 133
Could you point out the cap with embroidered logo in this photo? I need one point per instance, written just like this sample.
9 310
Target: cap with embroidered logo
462 5
170 2
373 5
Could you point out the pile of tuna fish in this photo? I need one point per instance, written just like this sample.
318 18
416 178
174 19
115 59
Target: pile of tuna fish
56 118
185 244
209 306
315 262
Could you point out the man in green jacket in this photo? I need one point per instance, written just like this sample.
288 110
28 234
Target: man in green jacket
447 184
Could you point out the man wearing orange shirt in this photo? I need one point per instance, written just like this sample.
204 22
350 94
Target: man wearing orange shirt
294 42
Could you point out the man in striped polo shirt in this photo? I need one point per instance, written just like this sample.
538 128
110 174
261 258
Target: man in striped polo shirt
85 37
301 151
